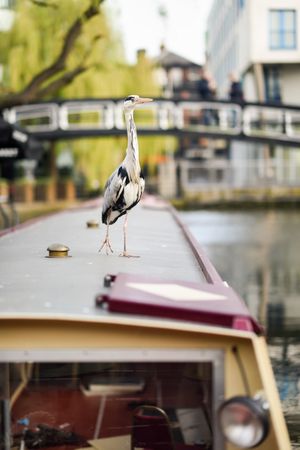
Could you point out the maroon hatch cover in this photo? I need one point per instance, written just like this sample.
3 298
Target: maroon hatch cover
214 304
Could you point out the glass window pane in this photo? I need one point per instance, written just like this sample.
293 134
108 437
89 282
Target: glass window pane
274 20
290 41
58 404
289 20
275 40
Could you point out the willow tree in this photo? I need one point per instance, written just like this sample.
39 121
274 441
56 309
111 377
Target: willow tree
36 53
70 49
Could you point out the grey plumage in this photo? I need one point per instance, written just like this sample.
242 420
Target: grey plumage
125 186
121 194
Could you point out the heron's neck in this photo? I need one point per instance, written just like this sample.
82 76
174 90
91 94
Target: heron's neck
132 153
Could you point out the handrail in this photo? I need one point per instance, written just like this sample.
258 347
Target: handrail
210 273
103 117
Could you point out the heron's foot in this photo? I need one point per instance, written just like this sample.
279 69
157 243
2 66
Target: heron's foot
127 255
106 244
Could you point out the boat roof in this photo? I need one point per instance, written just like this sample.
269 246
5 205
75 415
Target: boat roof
171 278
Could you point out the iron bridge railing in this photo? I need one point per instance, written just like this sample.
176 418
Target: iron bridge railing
102 117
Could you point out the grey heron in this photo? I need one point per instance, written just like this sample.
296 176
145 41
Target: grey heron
125 186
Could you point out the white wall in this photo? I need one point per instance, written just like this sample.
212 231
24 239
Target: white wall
290 83
259 37
222 43
249 87
250 33
243 38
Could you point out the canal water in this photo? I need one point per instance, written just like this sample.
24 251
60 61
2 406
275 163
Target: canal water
258 254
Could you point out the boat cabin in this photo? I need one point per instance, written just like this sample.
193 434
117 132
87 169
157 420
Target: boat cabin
108 353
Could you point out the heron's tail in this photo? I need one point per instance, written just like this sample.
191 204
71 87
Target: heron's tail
105 216
110 216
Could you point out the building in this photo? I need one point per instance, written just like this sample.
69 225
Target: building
177 75
259 40
180 175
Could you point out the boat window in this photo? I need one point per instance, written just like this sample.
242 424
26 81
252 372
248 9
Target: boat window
121 406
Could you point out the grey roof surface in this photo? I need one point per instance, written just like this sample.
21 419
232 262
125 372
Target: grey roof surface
31 283
170 59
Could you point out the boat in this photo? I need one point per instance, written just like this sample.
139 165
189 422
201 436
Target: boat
106 353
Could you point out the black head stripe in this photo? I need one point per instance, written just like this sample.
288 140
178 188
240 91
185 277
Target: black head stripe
130 97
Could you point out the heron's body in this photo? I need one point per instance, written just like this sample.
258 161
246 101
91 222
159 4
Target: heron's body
126 184
121 194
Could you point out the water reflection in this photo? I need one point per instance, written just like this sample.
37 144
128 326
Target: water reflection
258 254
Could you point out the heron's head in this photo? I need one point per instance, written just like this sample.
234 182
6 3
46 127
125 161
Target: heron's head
132 101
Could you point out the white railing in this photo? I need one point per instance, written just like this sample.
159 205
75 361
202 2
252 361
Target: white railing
239 173
216 118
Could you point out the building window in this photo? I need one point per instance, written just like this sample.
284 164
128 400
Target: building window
282 29
272 84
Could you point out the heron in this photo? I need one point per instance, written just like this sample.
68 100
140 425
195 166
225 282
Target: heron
125 186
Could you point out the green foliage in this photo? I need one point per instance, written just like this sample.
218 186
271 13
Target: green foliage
35 41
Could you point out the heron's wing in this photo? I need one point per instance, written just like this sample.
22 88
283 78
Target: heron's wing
113 191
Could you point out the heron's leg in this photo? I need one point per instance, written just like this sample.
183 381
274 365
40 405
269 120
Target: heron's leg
124 253
106 241
125 232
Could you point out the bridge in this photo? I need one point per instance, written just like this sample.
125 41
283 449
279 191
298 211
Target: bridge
80 118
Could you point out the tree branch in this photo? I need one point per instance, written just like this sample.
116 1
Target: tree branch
59 64
35 90
69 76
64 80
44 4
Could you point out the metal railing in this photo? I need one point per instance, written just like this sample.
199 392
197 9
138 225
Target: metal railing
98 117
236 174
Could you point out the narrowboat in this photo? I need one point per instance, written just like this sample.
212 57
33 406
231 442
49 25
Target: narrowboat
102 352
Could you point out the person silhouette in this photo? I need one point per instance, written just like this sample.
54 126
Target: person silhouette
235 90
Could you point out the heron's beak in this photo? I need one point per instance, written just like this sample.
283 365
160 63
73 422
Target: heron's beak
143 100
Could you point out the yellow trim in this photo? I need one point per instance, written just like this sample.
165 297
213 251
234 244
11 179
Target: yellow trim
131 321
270 389
115 332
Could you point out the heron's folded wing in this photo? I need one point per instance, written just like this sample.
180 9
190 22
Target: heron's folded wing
113 190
